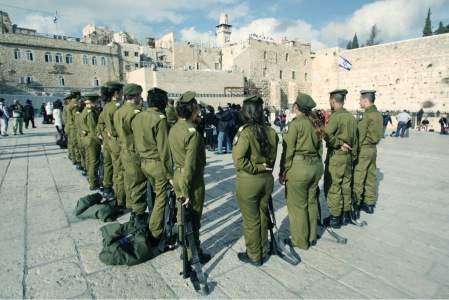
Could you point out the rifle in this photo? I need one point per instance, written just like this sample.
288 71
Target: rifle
169 239
277 246
191 269
330 230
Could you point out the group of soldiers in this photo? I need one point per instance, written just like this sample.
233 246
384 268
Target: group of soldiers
148 140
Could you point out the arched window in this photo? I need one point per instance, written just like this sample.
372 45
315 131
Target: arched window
28 79
61 80
17 54
68 59
85 60
29 55
103 61
47 57
96 82
58 58
94 60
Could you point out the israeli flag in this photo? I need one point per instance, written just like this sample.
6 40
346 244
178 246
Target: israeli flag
344 63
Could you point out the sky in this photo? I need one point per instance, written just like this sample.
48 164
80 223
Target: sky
324 23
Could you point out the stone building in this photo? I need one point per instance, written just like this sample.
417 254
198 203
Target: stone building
405 74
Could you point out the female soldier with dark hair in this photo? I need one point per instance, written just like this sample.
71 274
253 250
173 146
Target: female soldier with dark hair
189 158
254 155
301 170
111 94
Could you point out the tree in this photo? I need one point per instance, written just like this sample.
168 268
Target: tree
355 42
441 29
349 45
427 31
372 37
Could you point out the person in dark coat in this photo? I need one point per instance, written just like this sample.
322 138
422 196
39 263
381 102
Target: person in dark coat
43 113
225 120
28 115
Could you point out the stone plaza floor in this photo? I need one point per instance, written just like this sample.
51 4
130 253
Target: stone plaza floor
46 252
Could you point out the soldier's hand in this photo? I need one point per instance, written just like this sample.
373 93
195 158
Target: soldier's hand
345 147
171 181
186 202
267 168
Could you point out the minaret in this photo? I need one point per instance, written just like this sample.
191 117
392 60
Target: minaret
223 31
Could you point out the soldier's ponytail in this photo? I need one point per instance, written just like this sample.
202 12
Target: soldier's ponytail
254 116
316 123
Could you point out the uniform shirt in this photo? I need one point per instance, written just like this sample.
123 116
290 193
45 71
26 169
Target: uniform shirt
150 130
122 124
370 127
101 126
71 114
341 128
247 154
188 152
109 110
77 122
300 138
88 122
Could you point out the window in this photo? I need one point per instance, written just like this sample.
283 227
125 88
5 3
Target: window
136 54
280 74
85 60
94 60
61 80
265 55
27 79
29 55
47 57
96 82
126 53
68 59
286 57
293 75
58 58
136 66
103 61
17 54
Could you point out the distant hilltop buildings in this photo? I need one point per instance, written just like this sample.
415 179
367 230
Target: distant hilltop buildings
38 64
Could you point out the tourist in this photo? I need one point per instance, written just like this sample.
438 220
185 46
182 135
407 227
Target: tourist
28 114
43 113
17 114
49 112
57 116
403 118
386 119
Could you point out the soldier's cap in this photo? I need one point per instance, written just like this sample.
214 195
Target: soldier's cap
254 99
90 97
132 89
364 92
187 97
305 103
342 92
75 93
113 84
157 93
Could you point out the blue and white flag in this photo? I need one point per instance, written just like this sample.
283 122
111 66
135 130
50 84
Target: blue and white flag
344 63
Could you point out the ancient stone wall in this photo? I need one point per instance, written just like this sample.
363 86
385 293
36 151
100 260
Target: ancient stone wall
405 74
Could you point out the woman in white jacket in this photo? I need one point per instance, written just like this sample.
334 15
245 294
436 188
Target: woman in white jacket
57 116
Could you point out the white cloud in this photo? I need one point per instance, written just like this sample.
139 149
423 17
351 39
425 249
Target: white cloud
192 35
236 12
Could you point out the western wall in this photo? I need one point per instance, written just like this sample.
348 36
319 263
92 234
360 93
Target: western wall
405 74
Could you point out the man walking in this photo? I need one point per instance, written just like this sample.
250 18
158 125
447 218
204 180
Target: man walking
17 114
403 119
28 115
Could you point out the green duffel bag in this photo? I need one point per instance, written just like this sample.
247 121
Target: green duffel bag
86 202
104 212
125 245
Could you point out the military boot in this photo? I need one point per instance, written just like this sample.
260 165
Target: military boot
108 194
368 208
346 218
243 257
334 222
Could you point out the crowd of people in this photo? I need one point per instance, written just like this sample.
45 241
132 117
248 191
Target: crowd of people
153 140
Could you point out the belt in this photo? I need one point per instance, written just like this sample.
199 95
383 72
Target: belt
305 157
369 146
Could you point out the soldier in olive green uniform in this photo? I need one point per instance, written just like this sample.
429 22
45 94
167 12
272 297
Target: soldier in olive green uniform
171 113
150 130
113 91
341 137
135 181
77 129
301 170
254 154
90 139
189 158
72 131
370 133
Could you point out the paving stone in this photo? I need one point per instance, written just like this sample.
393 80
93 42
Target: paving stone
12 268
